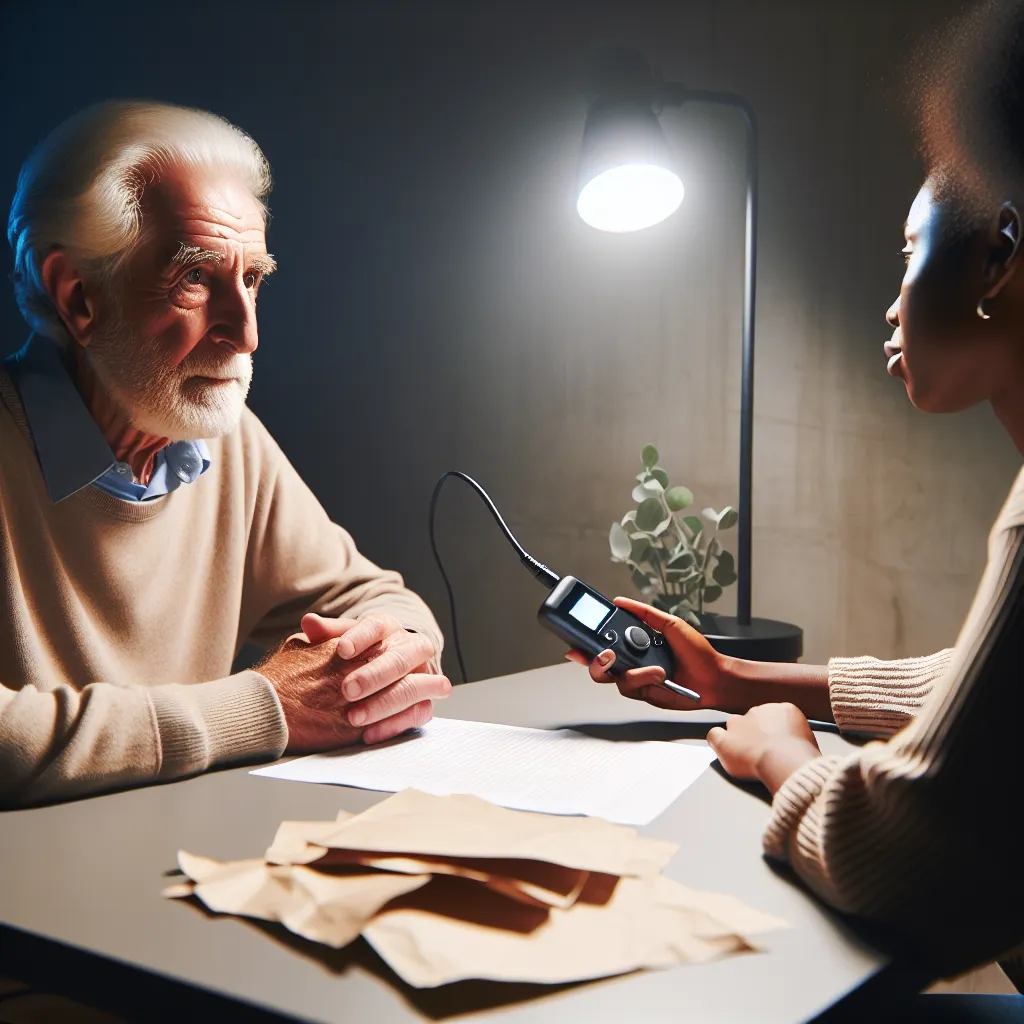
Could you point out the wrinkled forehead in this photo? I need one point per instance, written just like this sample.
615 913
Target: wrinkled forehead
209 205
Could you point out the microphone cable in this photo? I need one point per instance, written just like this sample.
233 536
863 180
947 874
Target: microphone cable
538 570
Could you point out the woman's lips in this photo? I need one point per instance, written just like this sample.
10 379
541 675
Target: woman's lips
894 350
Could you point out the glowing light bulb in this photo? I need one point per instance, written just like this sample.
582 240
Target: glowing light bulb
630 197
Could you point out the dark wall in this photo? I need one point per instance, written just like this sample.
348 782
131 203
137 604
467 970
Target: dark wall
440 305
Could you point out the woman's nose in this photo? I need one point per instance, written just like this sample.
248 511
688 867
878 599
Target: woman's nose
892 314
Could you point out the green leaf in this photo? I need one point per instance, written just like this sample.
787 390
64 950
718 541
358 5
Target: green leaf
666 602
723 577
662 526
712 593
618 541
693 524
691 617
641 547
681 561
651 489
725 561
727 518
642 581
710 515
629 518
649 456
679 498
661 476
650 514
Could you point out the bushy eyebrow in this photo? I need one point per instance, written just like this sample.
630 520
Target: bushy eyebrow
264 263
190 255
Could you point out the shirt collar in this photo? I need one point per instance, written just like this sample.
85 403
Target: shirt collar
71 448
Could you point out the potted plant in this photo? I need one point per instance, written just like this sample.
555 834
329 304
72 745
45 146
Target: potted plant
676 561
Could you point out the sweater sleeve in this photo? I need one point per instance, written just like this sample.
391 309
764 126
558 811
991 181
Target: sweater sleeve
881 697
63 743
299 561
921 833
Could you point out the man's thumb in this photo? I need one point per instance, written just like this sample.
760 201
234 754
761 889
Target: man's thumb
318 629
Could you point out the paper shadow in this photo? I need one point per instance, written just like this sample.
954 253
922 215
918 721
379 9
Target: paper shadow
439 1003
636 732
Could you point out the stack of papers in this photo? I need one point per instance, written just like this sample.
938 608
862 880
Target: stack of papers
451 888
556 771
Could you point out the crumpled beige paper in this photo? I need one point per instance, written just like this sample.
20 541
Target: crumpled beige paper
529 881
649 922
327 908
467 826
451 888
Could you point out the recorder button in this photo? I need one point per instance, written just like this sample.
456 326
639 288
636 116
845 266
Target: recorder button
610 635
637 638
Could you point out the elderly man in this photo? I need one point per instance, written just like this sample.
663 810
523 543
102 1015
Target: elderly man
149 525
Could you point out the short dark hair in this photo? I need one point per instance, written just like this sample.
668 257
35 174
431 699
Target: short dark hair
968 87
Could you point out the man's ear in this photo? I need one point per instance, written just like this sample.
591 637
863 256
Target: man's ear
1004 243
75 301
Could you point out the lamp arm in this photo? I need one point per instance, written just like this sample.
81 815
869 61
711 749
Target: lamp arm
675 94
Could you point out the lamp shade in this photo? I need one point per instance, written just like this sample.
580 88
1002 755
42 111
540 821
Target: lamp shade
626 180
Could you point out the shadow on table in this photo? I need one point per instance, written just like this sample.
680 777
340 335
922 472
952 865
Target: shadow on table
635 732
436 1003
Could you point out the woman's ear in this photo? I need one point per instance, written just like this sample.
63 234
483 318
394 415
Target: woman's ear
1004 242
75 302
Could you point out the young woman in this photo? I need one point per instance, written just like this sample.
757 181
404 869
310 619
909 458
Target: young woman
920 831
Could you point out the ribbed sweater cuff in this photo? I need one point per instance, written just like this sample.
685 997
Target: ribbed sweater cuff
214 723
880 697
791 803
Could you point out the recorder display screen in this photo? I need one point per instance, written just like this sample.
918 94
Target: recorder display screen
589 611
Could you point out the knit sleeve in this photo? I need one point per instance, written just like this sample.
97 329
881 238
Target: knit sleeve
880 697
921 832
299 561
63 743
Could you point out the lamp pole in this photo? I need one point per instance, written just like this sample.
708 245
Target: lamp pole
675 94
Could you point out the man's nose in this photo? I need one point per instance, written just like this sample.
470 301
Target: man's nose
892 314
235 320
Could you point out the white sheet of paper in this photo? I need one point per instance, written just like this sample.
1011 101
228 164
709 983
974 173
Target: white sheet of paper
553 771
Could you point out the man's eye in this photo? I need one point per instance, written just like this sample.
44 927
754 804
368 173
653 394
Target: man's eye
194 276
251 279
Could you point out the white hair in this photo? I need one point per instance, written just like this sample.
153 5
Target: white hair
81 189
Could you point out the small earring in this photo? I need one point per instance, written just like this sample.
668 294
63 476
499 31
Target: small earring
981 311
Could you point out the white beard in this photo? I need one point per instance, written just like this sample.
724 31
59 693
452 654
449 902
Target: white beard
169 401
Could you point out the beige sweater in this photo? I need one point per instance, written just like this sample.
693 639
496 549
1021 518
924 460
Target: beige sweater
119 621
921 832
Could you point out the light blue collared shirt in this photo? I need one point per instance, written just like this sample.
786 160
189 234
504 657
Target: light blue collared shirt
72 451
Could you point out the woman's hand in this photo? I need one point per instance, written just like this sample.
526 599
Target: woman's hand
724 683
698 665
768 743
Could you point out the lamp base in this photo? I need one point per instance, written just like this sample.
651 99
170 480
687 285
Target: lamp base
762 640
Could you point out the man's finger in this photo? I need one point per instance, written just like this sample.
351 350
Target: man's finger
410 718
319 629
395 698
368 631
388 667
577 656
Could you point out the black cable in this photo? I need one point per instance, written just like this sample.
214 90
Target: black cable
537 569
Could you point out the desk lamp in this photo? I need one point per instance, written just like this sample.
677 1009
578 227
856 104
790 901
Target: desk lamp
628 183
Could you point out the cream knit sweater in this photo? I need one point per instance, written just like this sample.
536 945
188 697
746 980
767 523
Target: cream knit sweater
920 832
119 621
